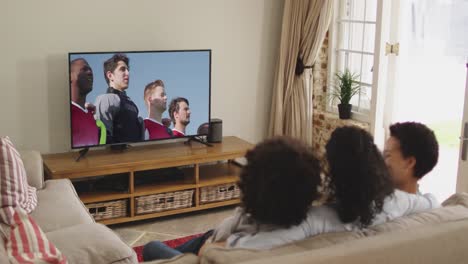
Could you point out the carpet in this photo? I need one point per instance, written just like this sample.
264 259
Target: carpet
171 243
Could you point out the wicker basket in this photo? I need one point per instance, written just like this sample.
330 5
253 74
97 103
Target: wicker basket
107 210
164 201
219 193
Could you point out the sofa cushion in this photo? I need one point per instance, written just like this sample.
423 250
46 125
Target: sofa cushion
457 199
26 243
432 244
455 208
14 188
329 239
34 167
214 254
434 216
92 243
59 206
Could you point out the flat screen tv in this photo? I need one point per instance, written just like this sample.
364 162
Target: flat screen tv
137 96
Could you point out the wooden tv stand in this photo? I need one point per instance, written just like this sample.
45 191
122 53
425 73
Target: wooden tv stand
202 166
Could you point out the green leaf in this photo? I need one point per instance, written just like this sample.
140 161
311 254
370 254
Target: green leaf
346 85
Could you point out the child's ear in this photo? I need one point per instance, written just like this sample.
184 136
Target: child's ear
411 162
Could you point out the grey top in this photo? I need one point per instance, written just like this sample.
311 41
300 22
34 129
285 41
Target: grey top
107 106
240 230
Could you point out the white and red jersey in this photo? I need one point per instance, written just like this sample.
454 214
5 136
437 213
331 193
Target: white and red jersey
84 129
177 133
155 129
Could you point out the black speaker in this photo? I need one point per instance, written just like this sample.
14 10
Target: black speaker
213 130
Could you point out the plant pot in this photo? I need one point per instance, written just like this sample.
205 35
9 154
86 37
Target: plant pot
344 111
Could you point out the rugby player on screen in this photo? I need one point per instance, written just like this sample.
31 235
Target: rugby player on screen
156 103
84 129
179 111
114 108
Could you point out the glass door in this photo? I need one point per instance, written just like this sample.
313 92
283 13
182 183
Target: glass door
426 80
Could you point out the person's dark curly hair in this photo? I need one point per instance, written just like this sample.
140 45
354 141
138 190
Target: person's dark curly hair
359 180
418 141
279 182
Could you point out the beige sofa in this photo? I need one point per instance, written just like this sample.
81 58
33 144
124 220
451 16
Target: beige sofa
436 236
66 221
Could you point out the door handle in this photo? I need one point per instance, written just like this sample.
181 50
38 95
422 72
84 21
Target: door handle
464 143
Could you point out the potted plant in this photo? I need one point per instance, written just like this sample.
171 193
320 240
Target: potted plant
345 87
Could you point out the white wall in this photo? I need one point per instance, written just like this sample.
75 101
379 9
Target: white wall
35 37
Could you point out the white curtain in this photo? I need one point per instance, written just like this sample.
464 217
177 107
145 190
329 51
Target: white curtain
305 24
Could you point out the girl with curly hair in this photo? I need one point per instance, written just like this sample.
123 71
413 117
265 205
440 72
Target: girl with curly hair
361 187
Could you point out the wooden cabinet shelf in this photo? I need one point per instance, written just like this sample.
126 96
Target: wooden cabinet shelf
179 182
218 174
102 196
218 204
198 166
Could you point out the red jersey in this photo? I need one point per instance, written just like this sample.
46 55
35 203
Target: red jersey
177 133
155 129
84 129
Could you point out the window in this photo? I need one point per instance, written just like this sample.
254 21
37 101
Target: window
352 46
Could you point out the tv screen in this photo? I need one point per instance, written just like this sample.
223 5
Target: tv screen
128 97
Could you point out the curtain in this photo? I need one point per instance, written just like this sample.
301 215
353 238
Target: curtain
305 24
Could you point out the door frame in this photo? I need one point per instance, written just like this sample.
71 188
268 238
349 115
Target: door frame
462 178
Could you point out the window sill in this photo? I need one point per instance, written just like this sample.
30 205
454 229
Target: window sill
355 116
332 117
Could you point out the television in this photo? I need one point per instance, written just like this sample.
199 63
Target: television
125 97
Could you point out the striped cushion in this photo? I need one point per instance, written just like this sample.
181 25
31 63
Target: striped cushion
14 188
26 243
